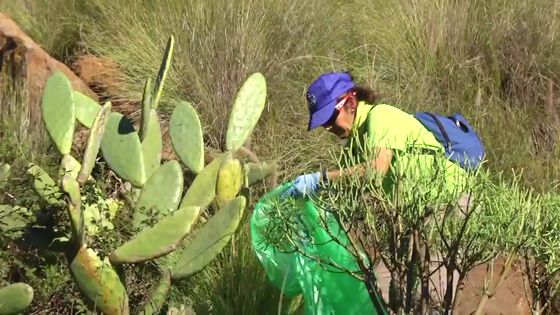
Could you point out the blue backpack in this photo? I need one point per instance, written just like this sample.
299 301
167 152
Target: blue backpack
462 144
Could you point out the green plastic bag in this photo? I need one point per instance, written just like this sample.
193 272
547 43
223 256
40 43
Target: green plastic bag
325 289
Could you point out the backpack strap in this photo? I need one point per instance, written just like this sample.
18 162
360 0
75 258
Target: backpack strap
443 131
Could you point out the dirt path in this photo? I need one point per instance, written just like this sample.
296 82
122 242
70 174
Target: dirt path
510 297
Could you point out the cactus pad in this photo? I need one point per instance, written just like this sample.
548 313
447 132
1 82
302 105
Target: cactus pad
203 189
210 240
72 188
15 298
122 150
58 111
246 111
158 295
230 180
99 282
69 166
146 108
86 109
152 145
14 219
157 240
94 142
162 73
161 193
186 136
44 185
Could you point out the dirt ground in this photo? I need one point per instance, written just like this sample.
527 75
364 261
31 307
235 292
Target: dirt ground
510 297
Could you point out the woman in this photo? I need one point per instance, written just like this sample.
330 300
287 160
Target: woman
381 138
388 134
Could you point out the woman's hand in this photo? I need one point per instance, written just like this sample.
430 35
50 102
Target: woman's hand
304 185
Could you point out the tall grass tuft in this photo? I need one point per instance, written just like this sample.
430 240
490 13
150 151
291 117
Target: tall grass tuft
489 60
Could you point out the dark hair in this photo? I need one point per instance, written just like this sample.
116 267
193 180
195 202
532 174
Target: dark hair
363 93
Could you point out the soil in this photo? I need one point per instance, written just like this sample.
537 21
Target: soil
509 298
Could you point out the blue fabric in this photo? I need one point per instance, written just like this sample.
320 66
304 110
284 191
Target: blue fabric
322 95
461 143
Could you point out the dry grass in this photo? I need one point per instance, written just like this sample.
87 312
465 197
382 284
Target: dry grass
493 61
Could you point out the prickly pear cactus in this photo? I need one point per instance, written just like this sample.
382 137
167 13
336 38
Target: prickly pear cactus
94 142
160 195
69 166
230 180
122 149
152 145
186 136
247 109
44 185
135 157
72 188
15 298
203 189
159 239
86 109
210 240
162 73
13 219
98 280
59 111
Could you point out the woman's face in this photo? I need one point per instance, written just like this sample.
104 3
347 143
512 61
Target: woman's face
342 120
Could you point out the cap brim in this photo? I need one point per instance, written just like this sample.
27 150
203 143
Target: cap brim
321 116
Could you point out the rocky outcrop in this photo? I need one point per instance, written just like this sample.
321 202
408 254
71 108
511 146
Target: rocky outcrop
101 74
24 64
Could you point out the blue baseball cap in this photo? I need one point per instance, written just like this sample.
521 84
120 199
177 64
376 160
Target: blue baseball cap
322 95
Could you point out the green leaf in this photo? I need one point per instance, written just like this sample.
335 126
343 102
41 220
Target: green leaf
186 136
15 298
122 150
99 282
86 109
94 142
152 146
210 240
162 73
246 111
157 240
203 189
58 111
161 193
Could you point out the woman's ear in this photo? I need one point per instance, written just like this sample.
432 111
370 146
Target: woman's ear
352 104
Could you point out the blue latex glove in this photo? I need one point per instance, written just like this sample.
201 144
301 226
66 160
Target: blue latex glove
304 185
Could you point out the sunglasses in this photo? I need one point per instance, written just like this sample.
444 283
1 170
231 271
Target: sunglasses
330 123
